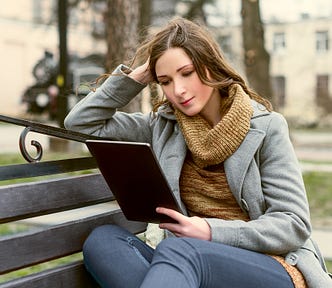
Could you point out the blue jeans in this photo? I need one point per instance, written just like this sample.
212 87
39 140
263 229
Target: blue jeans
117 258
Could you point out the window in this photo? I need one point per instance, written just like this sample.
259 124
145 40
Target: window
323 98
279 90
322 87
279 42
322 41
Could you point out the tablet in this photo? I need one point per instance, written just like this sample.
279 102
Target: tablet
135 178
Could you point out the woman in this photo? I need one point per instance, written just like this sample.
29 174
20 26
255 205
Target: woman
229 159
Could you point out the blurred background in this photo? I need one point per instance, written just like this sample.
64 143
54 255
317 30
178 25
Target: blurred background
50 47
52 50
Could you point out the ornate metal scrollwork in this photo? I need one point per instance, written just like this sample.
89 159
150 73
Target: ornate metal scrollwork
35 143
44 130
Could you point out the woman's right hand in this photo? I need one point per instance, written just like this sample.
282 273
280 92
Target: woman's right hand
142 74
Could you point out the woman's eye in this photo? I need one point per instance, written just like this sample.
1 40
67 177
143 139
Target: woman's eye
164 83
187 73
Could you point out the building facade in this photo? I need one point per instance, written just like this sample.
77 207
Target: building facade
300 66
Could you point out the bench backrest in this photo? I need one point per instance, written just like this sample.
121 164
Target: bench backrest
65 192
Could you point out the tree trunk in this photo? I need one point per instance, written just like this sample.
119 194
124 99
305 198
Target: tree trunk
256 58
144 18
122 37
196 10
122 25
62 78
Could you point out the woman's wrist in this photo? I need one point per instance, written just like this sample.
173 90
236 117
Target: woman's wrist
141 74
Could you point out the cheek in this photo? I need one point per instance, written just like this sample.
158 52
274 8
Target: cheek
199 87
208 91
202 91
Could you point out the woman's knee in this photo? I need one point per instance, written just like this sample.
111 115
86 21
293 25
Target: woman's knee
101 237
173 247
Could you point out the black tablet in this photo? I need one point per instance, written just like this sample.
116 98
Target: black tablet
135 178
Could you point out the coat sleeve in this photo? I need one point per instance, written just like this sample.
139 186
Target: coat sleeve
97 114
283 224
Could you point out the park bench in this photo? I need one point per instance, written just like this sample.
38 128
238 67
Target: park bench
63 191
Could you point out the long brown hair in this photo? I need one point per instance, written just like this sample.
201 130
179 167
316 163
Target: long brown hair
204 51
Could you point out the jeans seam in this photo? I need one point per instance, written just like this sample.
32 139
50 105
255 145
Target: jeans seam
131 241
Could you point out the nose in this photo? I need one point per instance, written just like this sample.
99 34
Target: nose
179 88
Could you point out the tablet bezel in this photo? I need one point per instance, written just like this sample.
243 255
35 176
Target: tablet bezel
135 178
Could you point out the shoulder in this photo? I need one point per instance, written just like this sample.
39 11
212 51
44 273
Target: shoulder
265 120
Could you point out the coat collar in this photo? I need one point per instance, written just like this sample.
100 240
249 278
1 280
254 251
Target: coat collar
237 165
259 109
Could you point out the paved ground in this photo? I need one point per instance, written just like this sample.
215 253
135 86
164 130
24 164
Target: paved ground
309 147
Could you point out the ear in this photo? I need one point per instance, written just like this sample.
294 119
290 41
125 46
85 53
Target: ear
208 74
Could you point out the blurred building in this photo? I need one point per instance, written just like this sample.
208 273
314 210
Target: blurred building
300 50
301 65
301 68
28 28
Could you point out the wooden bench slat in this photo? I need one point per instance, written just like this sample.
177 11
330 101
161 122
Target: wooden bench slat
37 198
27 170
30 199
26 249
72 275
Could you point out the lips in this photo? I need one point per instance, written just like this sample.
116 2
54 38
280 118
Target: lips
186 102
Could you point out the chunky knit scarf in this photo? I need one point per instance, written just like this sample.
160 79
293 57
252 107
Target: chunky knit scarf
211 146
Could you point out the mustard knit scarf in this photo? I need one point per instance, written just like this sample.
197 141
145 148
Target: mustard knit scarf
211 146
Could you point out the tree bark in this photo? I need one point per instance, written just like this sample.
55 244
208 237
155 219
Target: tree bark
122 37
196 10
144 18
122 25
256 58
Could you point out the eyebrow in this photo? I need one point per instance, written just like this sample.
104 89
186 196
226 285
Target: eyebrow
177 70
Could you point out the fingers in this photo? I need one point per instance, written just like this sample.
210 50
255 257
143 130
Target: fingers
194 227
175 228
171 213
141 74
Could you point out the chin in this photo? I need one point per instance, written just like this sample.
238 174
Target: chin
189 113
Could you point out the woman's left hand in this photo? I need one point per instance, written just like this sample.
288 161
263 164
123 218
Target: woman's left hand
194 227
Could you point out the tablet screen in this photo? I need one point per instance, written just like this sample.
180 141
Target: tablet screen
134 176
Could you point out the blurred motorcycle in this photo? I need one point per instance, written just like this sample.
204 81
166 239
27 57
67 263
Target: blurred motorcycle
42 96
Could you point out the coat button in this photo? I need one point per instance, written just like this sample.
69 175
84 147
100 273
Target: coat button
244 205
292 259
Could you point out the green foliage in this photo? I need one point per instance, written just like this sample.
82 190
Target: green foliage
319 191
14 228
329 265
40 267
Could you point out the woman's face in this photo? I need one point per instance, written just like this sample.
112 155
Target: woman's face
183 88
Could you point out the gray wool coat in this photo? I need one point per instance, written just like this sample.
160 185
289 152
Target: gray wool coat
263 174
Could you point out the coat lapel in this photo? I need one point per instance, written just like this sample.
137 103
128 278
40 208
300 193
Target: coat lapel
237 165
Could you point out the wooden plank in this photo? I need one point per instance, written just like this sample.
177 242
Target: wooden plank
28 170
34 247
69 276
38 198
